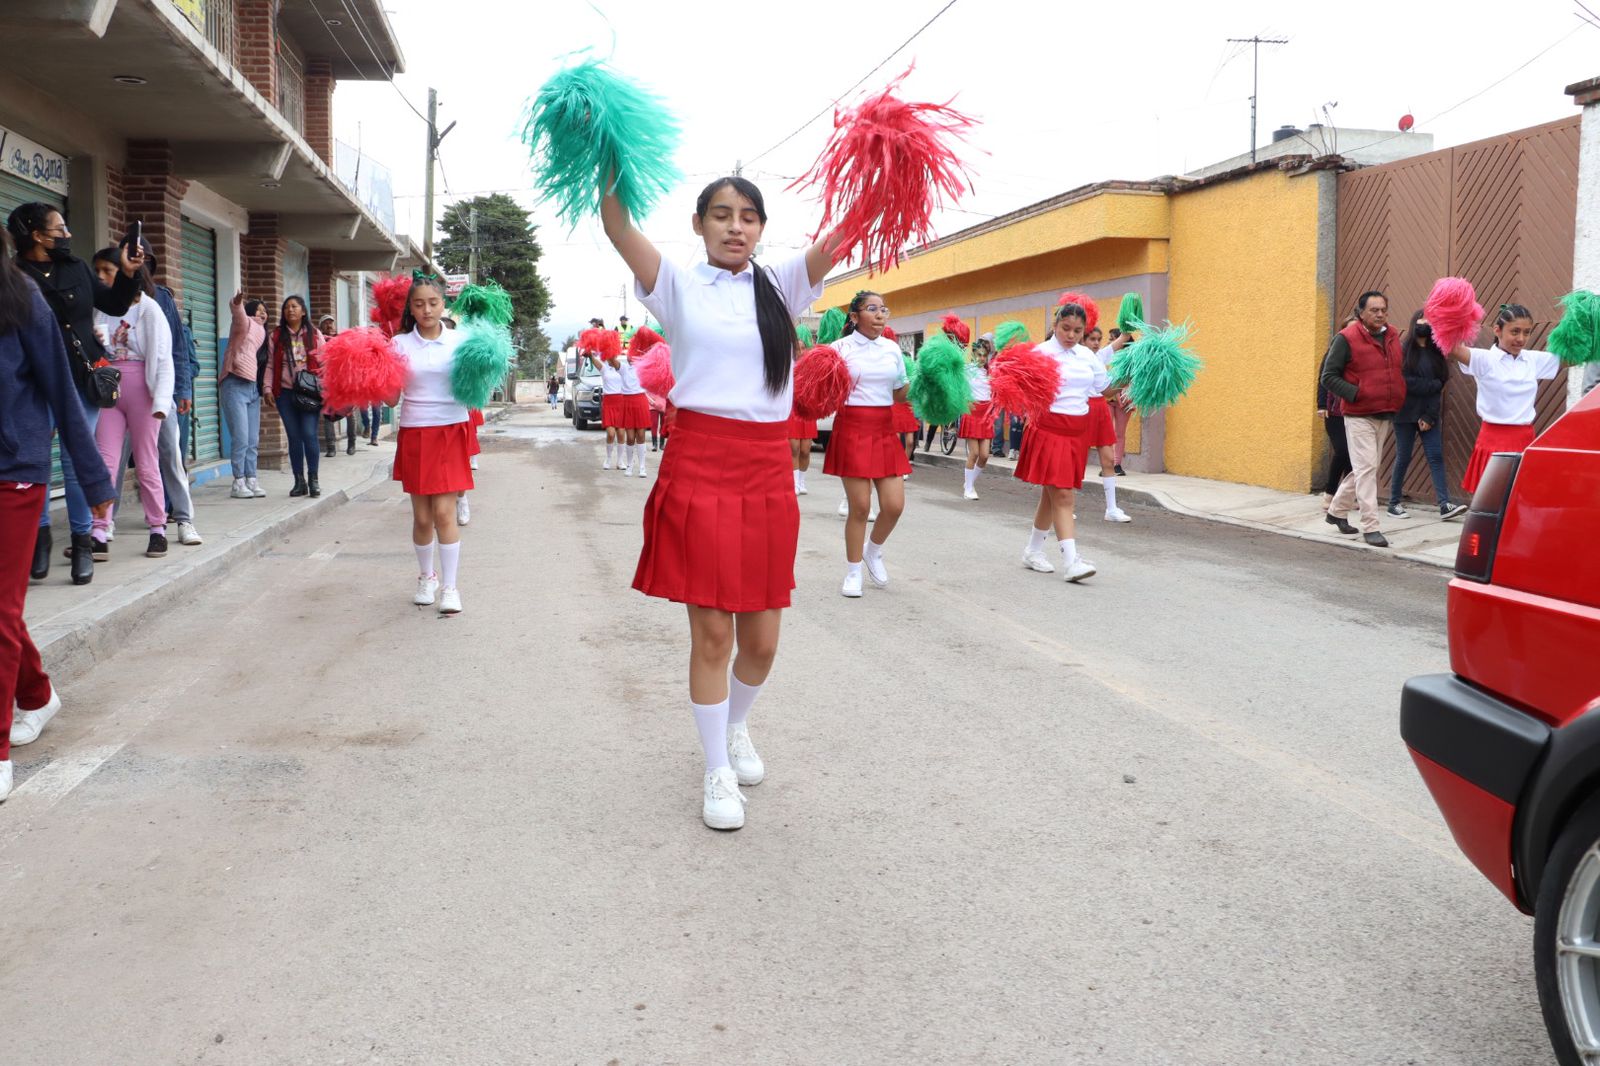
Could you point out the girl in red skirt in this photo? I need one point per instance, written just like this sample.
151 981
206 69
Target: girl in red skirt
474 449
802 432
976 428
633 418
721 524
1055 446
432 461
1508 377
610 408
864 449
1103 427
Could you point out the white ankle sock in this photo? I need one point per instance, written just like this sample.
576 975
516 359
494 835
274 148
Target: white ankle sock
971 476
852 569
740 698
449 561
1069 550
798 480
873 550
711 719
611 451
1036 540
424 558
800 476
976 471
643 453
1110 484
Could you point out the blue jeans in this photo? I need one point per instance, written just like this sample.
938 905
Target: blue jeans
301 427
241 407
78 516
1405 440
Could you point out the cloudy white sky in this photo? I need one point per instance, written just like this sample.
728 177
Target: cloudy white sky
1065 94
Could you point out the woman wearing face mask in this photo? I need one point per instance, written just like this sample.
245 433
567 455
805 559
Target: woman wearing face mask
1426 372
74 292
291 348
239 395
1508 377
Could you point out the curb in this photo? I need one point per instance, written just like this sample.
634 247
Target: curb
958 462
73 647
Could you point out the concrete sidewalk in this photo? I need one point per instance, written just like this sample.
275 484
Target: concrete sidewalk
1422 538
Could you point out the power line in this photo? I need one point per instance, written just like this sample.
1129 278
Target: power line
351 59
835 102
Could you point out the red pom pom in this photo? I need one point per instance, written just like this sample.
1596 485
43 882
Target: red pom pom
957 330
605 343
654 368
1453 311
821 383
888 331
360 368
389 303
644 338
887 167
1024 380
1091 309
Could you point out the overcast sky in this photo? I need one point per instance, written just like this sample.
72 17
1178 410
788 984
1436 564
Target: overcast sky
1064 95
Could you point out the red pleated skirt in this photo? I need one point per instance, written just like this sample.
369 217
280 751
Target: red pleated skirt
905 419
721 523
1055 450
864 443
802 428
610 409
978 423
1102 430
633 411
474 419
1494 437
434 460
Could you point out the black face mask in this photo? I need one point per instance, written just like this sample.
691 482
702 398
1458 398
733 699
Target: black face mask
62 251
1423 332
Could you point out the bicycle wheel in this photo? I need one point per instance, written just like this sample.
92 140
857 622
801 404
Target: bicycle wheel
948 438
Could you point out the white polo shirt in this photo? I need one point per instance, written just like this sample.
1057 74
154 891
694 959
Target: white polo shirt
980 383
610 380
426 399
629 378
1081 376
717 357
877 368
1507 386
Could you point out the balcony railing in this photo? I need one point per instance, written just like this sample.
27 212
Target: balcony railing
291 90
214 18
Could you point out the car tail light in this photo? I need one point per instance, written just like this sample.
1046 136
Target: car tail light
1480 532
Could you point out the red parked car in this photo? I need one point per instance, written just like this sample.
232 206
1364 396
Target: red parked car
1509 741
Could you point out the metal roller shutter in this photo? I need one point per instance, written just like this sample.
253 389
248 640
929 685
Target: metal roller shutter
200 311
14 192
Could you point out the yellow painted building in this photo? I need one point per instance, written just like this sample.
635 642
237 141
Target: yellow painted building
1245 256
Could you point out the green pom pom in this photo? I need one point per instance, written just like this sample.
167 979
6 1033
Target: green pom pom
941 392
1130 316
831 328
589 125
482 360
1118 368
1160 369
1576 340
648 324
1008 333
487 301
808 339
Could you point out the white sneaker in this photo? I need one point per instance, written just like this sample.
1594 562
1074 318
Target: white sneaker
844 508
27 725
1035 560
187 534
1117 514
969 494
724 803
747 765
607 466
426 587
463 511
1080 569
852 584
642 471
255 487
801 490
240 490
449 601
5 779
876 571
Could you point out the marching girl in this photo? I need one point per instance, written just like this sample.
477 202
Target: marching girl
1055 446
864 450
1508 377
1103 427
721 524
474 449
976 428
902 414
433 449
633 418
610 409
802 433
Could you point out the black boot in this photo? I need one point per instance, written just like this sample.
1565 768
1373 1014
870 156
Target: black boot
316 490
82 558
299 488
42 546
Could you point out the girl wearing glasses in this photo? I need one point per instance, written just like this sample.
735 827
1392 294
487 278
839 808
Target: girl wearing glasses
865 450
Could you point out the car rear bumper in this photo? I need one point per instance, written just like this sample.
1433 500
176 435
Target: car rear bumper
1476 753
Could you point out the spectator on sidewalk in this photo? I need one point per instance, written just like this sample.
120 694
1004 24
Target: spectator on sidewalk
371 422
36 387
1331 410
239 392
1426 373
554 388
291 348
172 444
333 420
1363 368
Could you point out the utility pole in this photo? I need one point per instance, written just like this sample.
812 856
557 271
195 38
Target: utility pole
1255 44
435 136
472 253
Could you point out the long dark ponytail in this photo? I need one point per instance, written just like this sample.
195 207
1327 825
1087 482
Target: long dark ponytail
772 313
857 302
16 291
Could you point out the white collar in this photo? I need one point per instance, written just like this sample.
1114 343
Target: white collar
710 275
416 331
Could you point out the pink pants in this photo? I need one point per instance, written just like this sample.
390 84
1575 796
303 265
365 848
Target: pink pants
132 418
1119 419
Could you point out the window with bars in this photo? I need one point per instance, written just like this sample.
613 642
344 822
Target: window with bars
291 88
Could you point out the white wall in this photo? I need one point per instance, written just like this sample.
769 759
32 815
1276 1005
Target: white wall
1586 250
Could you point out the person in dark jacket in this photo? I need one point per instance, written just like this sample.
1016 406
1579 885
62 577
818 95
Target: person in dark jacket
1363 368
1426 373
35 386
73 292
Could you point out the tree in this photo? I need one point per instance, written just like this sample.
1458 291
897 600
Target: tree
508 253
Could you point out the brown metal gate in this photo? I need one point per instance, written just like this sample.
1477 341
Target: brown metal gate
1501 213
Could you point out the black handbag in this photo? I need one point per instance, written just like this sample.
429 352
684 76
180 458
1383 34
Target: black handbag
102 384
306 392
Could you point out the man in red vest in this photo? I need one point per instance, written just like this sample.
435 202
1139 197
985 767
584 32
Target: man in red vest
1363 369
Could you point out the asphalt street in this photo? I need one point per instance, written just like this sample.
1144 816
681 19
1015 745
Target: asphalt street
1161 817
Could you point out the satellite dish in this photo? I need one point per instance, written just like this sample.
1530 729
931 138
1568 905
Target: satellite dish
1406 122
